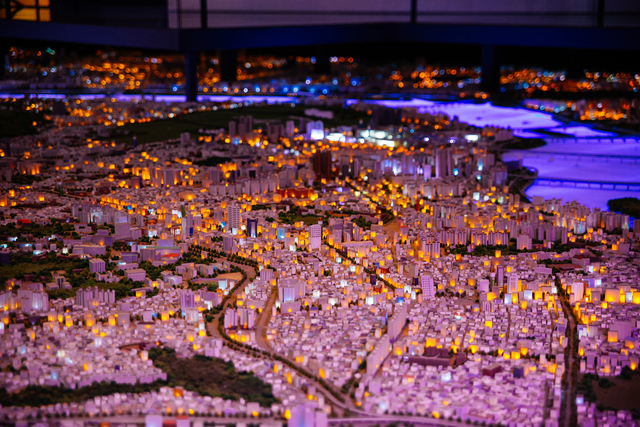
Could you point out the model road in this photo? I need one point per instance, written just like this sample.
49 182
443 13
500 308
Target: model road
406 419
262 323
568 402
212 326
141 419
261 331
369 420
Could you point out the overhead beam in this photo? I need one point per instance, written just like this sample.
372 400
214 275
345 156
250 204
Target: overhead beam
523 36
260 37
54 32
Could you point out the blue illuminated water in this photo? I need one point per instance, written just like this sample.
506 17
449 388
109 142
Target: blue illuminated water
579 139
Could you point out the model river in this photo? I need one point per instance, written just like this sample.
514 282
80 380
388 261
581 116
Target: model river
577 163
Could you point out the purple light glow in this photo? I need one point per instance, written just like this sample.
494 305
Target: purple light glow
527 134
586 168
159 98
481 115
250 98
581 131
593 169
606 146
588 197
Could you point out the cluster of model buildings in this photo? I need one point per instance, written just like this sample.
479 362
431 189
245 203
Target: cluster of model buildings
368 275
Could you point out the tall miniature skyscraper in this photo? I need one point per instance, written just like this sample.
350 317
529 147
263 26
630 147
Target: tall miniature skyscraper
315 236
252 228
500 276
444 163
187 299
233 212
513 283
322 164
428 288
187 227
227 243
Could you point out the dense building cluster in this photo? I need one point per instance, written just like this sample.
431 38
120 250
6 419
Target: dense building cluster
388 268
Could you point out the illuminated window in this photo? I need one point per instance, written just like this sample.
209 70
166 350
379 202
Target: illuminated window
25 10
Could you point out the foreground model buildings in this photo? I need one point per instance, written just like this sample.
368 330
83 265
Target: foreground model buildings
391 271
